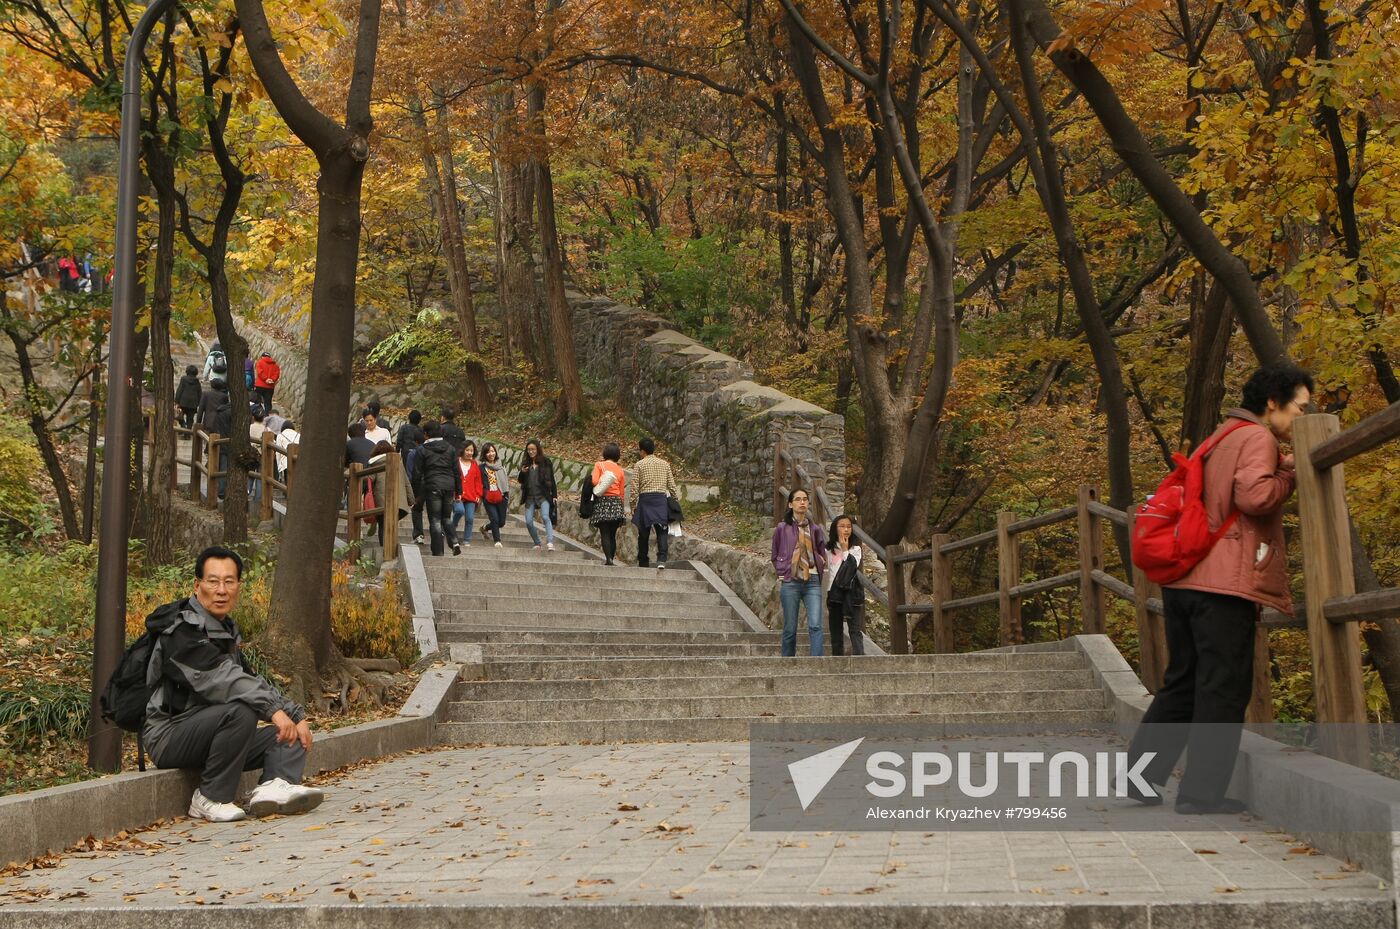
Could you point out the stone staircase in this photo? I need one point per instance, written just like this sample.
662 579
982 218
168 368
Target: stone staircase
559 648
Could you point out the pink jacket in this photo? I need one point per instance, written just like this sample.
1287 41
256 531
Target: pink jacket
1246 471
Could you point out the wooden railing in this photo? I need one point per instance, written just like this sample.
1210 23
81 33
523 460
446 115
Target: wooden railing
204 474
1331 604
1330 610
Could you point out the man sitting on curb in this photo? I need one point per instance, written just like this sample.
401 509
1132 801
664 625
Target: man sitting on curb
206 703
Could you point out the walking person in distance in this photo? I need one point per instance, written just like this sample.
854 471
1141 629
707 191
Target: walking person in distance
538 492
435 470
495 489
799 556
845 597
653 485
466 504
609 485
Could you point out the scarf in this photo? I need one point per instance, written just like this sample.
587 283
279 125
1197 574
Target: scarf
804 560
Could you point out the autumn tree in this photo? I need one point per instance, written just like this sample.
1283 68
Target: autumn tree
299 621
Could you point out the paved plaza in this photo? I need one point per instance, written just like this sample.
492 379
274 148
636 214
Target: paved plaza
646 824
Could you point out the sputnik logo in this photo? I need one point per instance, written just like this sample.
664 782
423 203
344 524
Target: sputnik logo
811 774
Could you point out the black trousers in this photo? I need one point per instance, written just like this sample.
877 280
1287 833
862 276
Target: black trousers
440 519
496 517
225 740
263 395
607 535
837 616
1204 695
663 545
187 416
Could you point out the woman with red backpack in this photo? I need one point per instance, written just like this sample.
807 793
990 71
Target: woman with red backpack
1212 604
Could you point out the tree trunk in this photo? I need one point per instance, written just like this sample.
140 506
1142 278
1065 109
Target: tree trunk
299 628
444 173
1205 370
90 466
1046 167
240 443
136 525
39 425
561 327
517 289
160 529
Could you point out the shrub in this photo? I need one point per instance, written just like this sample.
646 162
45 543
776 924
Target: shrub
22 511
369 621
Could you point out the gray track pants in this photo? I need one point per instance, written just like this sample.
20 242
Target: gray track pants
224 741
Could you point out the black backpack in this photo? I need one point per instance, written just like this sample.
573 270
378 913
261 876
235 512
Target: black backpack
220 365
126 695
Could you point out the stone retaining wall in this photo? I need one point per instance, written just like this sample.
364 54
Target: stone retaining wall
704 403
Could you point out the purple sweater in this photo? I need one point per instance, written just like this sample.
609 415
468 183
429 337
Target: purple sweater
785 543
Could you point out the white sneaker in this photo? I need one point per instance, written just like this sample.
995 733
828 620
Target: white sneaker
201 807
499 545
278 796
536 548
418 540
550 546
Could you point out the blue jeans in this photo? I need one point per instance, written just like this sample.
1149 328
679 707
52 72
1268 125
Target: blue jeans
791 595
543 507
465 508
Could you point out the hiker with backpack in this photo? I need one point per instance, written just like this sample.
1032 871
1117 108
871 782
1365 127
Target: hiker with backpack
202 702
215 364
1212 536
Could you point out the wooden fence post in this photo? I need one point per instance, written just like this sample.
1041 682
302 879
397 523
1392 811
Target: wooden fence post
393 474
267 470
899 625
1152 632
1327 572
942 592
354 502
1092 597
211 468
1008 576
196 438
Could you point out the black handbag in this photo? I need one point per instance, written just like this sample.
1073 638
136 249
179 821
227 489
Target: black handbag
585 497
554 512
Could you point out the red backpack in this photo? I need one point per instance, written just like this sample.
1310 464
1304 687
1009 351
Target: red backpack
1172 533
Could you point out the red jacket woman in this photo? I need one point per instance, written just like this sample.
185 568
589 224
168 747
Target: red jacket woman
471 479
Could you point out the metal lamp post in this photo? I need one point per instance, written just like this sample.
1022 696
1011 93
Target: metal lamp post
109 627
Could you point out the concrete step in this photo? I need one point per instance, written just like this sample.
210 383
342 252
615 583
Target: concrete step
584 599
583 668
492 565
583 614
830 702
507 635
874 682
567 651
719 729
515 583
509 541
479 556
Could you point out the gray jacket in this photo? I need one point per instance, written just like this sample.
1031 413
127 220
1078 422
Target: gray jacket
197 663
